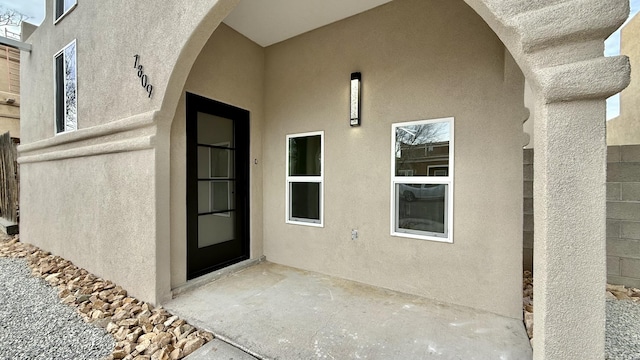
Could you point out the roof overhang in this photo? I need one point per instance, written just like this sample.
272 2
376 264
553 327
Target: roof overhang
15 44
269 22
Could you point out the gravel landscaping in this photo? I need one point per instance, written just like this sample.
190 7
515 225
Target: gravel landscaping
623 319
623 330
86 317
51 309
34 324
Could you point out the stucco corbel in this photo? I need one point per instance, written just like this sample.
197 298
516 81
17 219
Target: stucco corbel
596 78
569 21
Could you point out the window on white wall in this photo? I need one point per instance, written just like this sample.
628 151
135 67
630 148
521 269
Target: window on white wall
62 8
305 178
422 179
66 89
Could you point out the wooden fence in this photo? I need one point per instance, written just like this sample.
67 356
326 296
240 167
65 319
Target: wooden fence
9 176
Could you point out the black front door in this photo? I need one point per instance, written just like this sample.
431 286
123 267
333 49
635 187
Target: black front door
217 185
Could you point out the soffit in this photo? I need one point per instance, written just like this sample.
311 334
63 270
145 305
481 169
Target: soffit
267 22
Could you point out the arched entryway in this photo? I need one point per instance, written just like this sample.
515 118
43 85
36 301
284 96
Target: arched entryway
571 79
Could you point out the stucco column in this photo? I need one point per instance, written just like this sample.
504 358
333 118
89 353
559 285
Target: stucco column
559 46
570 205
569 246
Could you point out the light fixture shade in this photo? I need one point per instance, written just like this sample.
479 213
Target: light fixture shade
355 99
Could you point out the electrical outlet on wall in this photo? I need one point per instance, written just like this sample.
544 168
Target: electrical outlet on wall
354 234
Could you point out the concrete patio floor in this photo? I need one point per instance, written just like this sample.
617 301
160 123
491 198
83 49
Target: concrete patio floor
277 312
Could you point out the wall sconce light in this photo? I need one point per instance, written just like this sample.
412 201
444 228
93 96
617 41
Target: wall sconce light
355 99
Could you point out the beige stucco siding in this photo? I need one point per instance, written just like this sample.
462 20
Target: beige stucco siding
416 63
108 35
100 213
229 69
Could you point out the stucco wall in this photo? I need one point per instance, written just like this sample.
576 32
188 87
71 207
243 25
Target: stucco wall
108 35
416 63
96 211
527 209
99 196
229 69
565 64
625 129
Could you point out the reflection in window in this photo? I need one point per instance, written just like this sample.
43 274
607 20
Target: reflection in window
422 179
66 85
422 148
422 208
305 178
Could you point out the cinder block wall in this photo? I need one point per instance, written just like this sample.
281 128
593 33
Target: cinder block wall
623 215
527 231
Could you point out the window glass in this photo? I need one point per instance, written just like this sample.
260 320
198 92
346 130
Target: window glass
305 179
422 207
422 149
422 179
66 89
63 6
304 156
305 201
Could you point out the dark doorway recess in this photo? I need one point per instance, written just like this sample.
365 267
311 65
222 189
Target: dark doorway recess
217 185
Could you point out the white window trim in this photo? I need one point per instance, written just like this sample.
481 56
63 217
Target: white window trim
64 14
445 180
55 90
315 179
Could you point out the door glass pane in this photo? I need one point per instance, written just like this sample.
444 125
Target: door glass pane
221 163
214 229
203 162
422 208
423 149
214 130
215 137
305 155
204 197
305 201
221 195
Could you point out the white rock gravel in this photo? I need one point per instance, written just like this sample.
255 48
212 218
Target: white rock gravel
623 330
622 339
34 324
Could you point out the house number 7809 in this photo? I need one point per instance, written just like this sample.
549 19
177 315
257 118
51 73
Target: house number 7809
144 79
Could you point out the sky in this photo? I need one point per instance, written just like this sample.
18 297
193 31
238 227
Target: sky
612 48
35 9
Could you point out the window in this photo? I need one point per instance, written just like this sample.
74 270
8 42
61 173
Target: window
62 8
422 179
66 105
305 179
